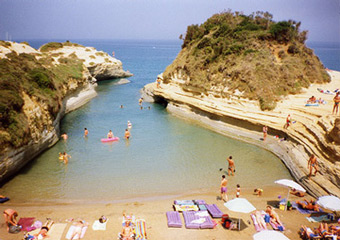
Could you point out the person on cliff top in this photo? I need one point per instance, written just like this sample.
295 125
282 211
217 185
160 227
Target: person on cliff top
312 163
86 132
65 157
64 136
288 122
265 131
110 134
223 188
231 166
336 100
158 83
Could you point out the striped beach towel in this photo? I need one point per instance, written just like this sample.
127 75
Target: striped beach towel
140 229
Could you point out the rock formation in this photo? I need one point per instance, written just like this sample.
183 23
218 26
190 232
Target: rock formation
37 88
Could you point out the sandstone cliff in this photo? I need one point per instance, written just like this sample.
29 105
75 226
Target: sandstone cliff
316 130
37 88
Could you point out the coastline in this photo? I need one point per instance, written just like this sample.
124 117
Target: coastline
242 119
154 210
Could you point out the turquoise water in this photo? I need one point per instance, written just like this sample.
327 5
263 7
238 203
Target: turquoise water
164 156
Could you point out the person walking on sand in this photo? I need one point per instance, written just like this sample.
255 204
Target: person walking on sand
223 187
336 100
65 157
231 166
86 132
265 131
312 163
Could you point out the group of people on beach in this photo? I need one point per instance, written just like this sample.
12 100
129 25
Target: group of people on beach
224 181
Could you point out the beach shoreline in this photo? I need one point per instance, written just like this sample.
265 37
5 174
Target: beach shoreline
153 211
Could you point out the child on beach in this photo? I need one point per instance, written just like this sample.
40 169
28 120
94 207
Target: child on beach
238 190
258 191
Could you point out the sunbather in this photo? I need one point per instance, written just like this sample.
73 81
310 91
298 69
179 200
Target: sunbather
309 205
78 228
297 193
127 231
274 217
308 233
260 220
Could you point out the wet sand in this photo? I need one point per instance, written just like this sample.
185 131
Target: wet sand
153 211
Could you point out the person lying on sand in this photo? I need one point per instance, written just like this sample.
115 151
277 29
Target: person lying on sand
297 193
127 231
309 205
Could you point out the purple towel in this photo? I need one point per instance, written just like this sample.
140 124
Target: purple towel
174 219
214 211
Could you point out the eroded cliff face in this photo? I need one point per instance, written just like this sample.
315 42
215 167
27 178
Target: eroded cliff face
315 130
68 86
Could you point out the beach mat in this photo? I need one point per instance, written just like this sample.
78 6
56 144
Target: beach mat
99 226
26 223
71 230
56 231
306 211
322 218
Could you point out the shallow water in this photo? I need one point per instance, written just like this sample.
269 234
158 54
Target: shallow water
164 156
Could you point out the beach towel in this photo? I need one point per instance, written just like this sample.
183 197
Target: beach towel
257 226
56 231
196 220
26 223
96 226
306 211
199 202
140 230
174 219
322 218
184 202
184 208
277 226
71 231
4 199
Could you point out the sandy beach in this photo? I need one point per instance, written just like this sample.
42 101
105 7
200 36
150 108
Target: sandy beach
153 211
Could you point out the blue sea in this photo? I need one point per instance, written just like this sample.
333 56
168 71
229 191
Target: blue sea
165 155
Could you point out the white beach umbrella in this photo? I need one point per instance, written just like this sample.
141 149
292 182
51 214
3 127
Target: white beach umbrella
269 235
329 202
290 184
240 205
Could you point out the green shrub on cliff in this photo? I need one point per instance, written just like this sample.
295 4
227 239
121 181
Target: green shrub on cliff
38 78
262 59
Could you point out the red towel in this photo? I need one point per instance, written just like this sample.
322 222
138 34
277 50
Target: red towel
25 223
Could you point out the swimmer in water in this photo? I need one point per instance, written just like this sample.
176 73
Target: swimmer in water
110 134
65 157
129 124
64 136
127 134
86 132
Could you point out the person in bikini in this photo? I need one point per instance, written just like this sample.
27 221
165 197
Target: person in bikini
110 134
309 205
127 231
265 131
231 166
127 134
274 217
223 187
312 163
336 100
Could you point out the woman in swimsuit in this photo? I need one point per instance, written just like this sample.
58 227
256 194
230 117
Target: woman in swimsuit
336 100
110 134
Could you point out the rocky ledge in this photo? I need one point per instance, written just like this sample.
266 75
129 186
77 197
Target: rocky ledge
315 131
39 116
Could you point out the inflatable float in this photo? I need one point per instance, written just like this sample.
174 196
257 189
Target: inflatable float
109 139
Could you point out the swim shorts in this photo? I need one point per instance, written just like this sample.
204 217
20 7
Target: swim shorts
223 189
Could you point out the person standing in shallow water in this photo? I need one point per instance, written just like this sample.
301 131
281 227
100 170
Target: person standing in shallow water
312 163
231 166
86 132
223 189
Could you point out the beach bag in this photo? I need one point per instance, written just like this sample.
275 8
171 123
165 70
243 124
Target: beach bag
14 229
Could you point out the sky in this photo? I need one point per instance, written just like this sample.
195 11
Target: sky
151 19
